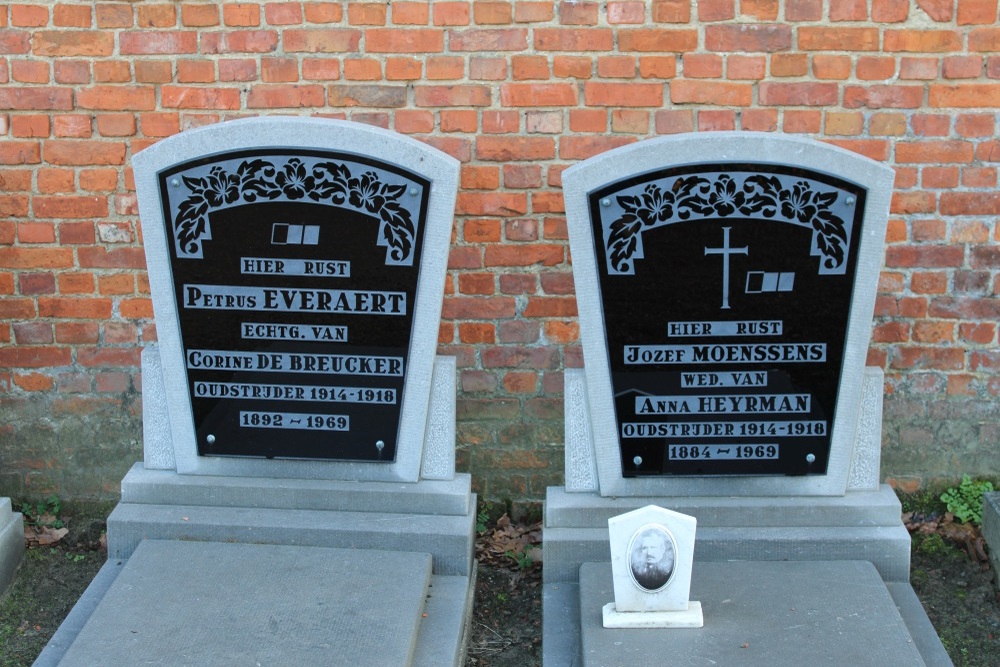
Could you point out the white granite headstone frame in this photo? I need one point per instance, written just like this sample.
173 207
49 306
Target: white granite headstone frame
698 154
295 137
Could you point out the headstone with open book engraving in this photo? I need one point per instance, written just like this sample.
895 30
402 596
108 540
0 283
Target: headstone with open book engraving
726 285
299 465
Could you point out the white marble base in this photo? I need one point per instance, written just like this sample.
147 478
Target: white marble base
689 618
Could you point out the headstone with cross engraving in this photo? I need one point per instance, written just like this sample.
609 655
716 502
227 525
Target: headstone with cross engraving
726 285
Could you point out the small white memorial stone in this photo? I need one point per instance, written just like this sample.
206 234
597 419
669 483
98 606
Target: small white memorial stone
652 551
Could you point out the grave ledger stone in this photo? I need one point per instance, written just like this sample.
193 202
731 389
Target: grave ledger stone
293 407
726 285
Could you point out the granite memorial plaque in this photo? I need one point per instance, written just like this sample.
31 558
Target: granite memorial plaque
297 272
726 290
295 275
726 285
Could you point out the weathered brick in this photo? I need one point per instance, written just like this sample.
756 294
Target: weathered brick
577 39
710 92
507 39
537 95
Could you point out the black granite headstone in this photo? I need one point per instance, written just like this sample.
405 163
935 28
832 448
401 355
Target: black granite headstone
726 292
295 274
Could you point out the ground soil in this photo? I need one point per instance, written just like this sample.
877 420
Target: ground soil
957 591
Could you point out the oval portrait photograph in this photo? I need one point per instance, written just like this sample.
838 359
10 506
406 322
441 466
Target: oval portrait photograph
651 556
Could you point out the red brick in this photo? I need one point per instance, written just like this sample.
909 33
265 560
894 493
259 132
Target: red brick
626 12
487 69
583 147
476 308
203 15
875 68
838 39
630 121
442 68
366 13
917 358
506 149
661 40
156 16
71 71
404 40
410 13
529 67
454 120
266 41
978 333
939 10
116 124
703 66
402 69
716 120
511 356
28 16
935 151
789 64
36 283
588 120
166 42
671 11
500 203
34 357
36 99
65 43
69 152
578 39
973 12
883 97
748 38
623 94
803 10
24 71
153 72
674 121
922 41
657 67
939 177
323 12
285 96
965 95
117 98
890 11
798 94
714 93
462 95
29 126
450 13
616 67
413 121
577 67
313 69
831 67
72 16
984 39
492 13
746 67
976 125
184 97
537 95
476 332
920 69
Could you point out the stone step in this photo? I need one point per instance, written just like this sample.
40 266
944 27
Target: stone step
166 487
211 603
887 547
449 539
857 508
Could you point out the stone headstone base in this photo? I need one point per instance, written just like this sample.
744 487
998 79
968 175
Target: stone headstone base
11 541
756 613
861 525
433 516
211 603
691 617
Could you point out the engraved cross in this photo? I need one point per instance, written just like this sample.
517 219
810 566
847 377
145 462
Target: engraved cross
726 251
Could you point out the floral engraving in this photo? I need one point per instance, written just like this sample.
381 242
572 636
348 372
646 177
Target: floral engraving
722 195
324 182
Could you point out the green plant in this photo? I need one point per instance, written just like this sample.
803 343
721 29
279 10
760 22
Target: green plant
483 517
44 513
522 558
966 501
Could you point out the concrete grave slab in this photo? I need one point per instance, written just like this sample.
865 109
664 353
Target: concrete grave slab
766 614
219 604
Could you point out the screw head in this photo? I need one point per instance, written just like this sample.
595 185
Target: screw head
605 202
174 182
413 192
810 458
379 445
210 439
637 461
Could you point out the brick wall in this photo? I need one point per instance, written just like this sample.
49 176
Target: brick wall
517 91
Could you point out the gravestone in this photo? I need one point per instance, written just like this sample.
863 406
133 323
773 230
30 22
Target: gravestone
726 285
298 426
11 541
